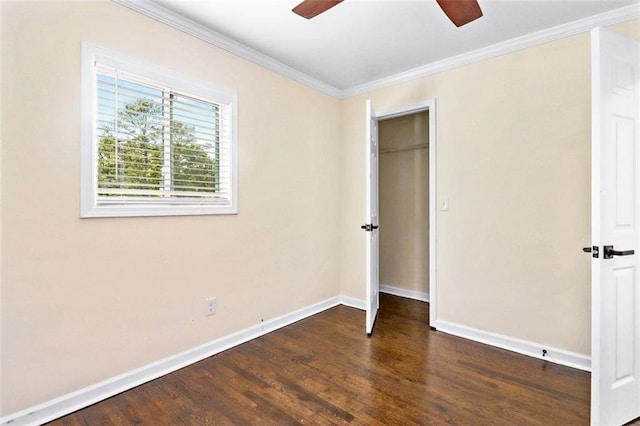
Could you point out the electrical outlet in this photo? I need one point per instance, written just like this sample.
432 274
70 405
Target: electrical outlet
210 306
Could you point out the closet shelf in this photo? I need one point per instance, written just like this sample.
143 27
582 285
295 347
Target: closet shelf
404 148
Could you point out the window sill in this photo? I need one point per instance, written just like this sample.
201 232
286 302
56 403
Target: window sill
142 211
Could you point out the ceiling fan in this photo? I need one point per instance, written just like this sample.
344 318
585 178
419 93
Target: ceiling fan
460 12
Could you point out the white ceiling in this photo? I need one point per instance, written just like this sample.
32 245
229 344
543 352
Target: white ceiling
362 41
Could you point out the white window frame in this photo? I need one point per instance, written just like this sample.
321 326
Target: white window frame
89 206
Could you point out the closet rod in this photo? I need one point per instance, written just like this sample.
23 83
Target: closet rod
404 148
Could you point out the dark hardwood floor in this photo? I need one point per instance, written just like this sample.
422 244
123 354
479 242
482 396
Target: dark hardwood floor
324 370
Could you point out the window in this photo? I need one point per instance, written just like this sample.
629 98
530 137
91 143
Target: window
154 143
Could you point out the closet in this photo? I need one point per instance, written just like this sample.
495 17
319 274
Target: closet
404 203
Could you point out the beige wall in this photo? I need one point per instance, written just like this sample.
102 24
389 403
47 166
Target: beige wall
85 300
404 202
513 157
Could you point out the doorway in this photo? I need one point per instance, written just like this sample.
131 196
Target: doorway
372 207
404 204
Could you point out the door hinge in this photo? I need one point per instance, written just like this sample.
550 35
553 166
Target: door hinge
369 227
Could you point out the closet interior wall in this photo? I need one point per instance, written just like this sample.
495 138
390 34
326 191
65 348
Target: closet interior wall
404 202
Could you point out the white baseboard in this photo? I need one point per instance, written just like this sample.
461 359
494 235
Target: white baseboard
558 356
403 292
71 402
353 302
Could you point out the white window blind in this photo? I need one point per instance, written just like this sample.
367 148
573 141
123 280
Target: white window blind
157 148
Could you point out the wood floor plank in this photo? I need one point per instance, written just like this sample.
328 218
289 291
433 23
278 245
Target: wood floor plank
325 370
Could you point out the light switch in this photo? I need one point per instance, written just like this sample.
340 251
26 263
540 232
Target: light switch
444 204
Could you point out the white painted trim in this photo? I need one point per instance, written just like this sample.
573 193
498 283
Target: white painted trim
596 221
85 397
427 105
404 110
433 213
166 16
353 302
160 77
73 401
558 356
518 43
403 292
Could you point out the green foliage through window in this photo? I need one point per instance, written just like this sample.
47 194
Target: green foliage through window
154 143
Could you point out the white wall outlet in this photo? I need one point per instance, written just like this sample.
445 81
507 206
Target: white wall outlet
210 306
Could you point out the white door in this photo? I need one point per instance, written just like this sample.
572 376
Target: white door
615 346
371 224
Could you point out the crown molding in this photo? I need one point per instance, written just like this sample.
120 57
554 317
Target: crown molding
164 15
551 34
169 17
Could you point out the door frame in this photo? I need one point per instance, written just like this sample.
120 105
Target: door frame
426 105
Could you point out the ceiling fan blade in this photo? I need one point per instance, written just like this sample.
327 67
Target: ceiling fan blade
460 12
310 8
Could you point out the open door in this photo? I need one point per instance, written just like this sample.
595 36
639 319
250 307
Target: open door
371 225
615 340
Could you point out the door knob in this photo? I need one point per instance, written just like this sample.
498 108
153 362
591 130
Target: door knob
609 252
